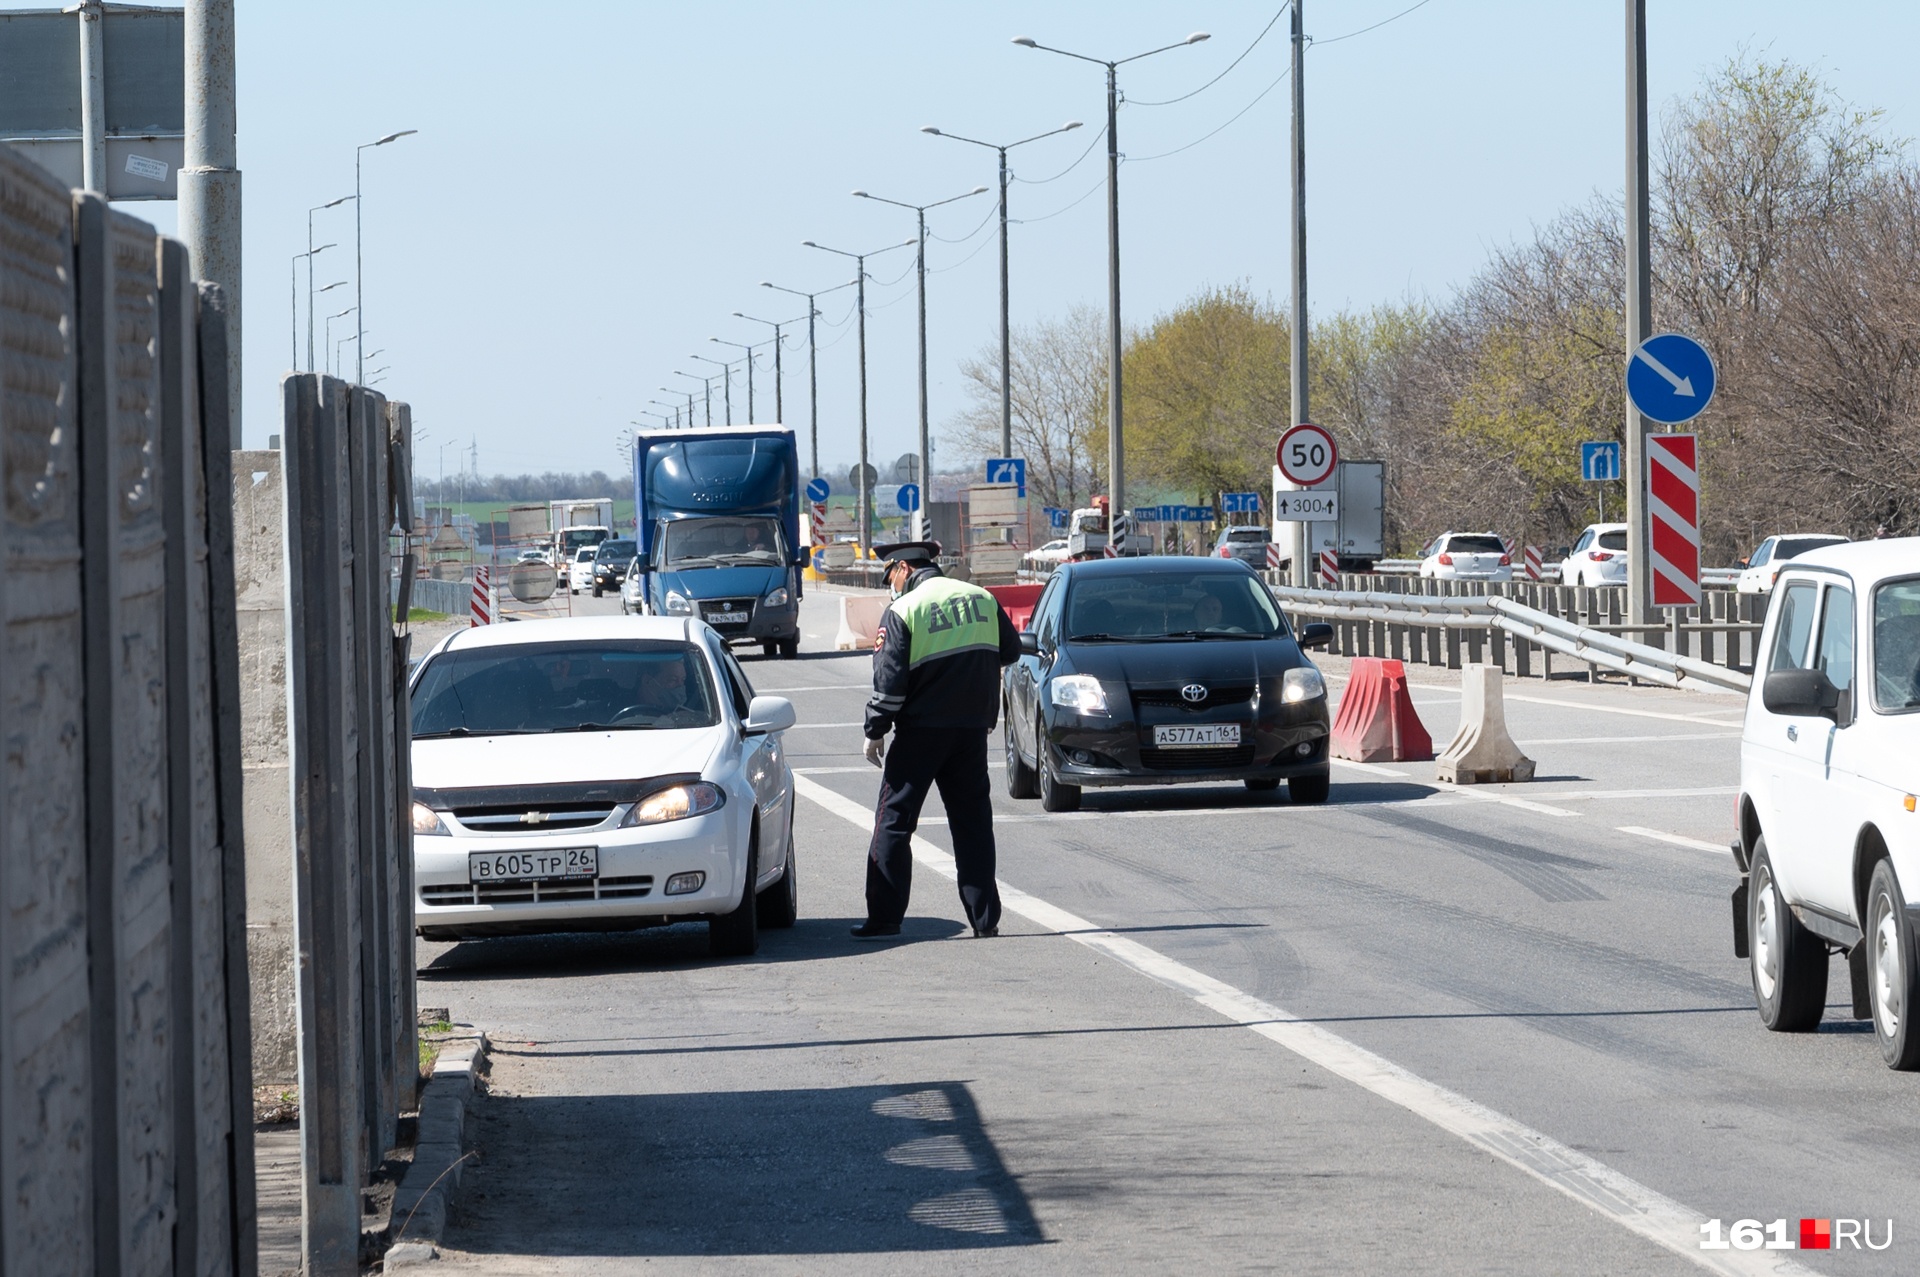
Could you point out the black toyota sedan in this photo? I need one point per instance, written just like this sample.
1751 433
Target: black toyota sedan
1155 671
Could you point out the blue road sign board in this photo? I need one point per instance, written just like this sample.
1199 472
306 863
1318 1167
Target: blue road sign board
1008 470
1196 514
1599 461
908 497
1670 378
1240 502
818 490
1056 515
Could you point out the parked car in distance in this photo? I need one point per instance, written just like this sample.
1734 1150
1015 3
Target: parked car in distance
610 560
1162 670
580 571
1827 840
1466 556
1758 570
633 591
1249 545
598 774
1598 557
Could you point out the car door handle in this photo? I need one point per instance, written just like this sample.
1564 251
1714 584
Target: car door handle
1793 732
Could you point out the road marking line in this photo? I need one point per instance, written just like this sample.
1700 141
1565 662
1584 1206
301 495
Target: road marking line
1592 1183
1505 800
818 687
1598 709
1712 791
1633 740
1678 840
1372 769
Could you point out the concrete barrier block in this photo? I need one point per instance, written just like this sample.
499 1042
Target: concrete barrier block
859 621
1482 752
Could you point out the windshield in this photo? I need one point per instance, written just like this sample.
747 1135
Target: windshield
1794 547
1171 603
1613 540
577 539
614 551
1475 545
722 541
536 688
1247 534
1896 645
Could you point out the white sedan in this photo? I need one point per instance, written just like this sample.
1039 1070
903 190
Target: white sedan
1757 573
1598 558
598 774
1466 556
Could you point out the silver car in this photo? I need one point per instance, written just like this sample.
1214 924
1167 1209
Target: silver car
1249 545
633 591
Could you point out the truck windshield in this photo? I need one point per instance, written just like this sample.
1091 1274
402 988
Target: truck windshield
577 539
722 541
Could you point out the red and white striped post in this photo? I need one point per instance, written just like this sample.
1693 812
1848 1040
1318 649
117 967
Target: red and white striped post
1330 568
1534 563
1273 556
1673 513
819 526
482 611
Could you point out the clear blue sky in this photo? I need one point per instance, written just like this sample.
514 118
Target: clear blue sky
595 189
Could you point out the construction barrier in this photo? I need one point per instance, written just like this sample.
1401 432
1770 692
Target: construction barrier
1376 721
859 621
1482 752
482 605
1329 568
1533 564
1273 555
1017 601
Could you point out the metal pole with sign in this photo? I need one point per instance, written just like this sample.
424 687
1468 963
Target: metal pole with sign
1306 457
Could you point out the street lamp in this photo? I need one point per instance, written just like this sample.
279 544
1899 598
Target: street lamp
337 365
293 299
1006 339
357 205
779 411
672 390
813 371
741 345
674 407
317 208
330 318
860 305
726 383
920 267
1116 473
706 384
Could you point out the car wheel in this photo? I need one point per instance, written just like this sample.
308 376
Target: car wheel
736 934
1788 962
1054 796
790 649
1893 978
1308 790
779 904
1020 777
770 648
1263 784
596 589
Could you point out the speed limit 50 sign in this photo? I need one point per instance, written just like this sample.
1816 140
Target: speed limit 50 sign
1306 455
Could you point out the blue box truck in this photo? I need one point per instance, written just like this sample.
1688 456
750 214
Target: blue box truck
718 515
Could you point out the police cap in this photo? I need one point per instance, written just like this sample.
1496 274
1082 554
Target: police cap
909 551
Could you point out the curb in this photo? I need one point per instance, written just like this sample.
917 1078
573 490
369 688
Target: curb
441 1151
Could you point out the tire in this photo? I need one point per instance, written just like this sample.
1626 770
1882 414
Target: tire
736 934
790 649
779 905
1054 796
1893 977
1020 777
596 589
770 648
1309 790
1263 785
1788 963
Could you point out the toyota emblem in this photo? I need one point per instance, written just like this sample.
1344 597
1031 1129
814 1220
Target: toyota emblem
1194 693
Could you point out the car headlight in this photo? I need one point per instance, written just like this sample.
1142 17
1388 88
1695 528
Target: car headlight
677 604
1302 684
676 803
778 598
427 821
1080 692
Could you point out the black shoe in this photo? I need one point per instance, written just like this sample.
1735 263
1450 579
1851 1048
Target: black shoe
985 933
875 930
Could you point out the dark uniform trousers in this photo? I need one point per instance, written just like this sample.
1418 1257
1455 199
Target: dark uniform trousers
955 759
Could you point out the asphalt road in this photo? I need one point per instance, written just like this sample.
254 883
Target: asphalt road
1497 1029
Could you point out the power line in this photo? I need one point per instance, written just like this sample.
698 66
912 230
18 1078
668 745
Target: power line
970 234
1023 221
1230 66
1042 181
1230 119
1335 39
941 270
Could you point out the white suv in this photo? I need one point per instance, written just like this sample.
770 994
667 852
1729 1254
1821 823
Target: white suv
1829 772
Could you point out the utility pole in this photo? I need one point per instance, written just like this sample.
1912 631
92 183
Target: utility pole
1297 372
209 175
1639 309
1116 457
919 524
1006 336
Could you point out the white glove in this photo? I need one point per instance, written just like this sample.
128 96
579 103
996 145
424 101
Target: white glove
877 751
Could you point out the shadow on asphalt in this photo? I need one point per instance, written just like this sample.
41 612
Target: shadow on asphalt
858 1169
1204 798
677 948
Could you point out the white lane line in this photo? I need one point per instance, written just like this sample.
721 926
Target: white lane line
1678 840
1705 791
1714 718
1632 1205
800 725
1372 769
819 687
1505 800
1633 740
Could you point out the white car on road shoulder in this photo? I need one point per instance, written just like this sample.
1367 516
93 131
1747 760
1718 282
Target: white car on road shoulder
1598 557
1466 556
598 774
1764 564
1828 839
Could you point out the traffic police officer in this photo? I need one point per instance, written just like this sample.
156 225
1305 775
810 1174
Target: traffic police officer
936 684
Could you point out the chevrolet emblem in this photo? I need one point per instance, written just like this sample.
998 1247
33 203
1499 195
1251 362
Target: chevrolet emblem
534 818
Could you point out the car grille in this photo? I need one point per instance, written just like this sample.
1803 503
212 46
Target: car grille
1170 697
524 891
1197 760
522 820
710 606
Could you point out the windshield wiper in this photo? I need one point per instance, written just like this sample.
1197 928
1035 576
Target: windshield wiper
1210 634
752 556
467 731
693 561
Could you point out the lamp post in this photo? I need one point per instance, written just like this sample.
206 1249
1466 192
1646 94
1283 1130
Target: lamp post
337 364
860 305
779 409
317 208
1006 338
672 390
748 347
920 269
726 382
357 205
1116 472
813 369
706 384
329 329
293 301
674 408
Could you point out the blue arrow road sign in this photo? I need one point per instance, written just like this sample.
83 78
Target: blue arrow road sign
1008 470
1670 378
1056 515
1599 462
909 497
818 490
1240 502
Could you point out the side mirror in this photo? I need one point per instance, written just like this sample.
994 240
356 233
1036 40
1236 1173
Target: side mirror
1029 643
1801 694
1317 635
769 714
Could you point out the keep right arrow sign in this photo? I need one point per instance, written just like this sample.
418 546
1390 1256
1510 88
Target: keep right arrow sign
1670 378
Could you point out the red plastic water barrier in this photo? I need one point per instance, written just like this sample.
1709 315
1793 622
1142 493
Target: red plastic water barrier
1017 600
1376 721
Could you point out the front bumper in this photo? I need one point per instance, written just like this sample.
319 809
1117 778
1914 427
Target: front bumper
1275 745
763 623
634 866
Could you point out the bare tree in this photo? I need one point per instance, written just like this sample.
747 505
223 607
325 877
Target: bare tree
1059 406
